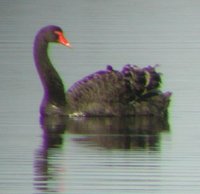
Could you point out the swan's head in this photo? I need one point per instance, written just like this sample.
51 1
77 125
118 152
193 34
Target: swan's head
54 34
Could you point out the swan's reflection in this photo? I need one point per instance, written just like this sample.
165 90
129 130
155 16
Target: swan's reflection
120 133
111 133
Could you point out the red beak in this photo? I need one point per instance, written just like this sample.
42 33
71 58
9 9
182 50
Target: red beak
62 39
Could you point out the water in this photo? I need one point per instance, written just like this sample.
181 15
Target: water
100 155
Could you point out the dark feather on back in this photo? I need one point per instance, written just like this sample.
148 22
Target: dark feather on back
112 92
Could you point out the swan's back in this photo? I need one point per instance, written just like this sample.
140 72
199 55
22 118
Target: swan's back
132 91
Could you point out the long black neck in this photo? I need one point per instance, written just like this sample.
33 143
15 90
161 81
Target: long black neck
53 86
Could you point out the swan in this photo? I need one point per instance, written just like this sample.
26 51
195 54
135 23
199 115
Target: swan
132 91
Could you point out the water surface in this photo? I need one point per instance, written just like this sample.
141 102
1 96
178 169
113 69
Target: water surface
107 155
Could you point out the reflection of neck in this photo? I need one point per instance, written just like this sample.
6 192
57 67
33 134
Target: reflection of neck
52 83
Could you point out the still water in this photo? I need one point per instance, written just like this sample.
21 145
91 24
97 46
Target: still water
107 155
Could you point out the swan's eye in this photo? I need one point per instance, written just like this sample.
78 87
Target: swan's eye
62 39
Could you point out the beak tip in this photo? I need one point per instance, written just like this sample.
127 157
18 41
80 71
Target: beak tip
68 45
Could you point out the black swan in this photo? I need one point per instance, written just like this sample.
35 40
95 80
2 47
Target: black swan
131 91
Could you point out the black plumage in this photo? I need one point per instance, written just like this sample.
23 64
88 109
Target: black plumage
132 91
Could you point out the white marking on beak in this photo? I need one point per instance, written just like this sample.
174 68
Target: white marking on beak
68 45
